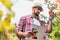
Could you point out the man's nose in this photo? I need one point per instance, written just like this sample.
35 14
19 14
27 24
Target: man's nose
38 10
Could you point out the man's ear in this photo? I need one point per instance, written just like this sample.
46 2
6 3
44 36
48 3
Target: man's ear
33 9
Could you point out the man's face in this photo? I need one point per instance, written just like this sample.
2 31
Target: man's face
36 11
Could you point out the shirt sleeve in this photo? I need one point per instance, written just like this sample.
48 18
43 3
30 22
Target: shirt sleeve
20 25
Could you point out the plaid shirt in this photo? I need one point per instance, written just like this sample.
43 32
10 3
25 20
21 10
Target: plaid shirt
25 23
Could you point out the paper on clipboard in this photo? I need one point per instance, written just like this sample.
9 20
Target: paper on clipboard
41 31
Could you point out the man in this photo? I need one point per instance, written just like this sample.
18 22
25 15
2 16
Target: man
25 23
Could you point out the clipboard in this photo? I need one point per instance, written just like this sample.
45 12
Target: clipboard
41 32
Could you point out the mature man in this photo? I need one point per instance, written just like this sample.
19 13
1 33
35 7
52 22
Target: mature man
25 23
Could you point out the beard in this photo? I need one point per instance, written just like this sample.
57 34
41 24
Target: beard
37 14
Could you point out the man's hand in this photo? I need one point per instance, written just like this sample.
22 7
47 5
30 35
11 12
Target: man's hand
51 15
26 34
29 34
23 34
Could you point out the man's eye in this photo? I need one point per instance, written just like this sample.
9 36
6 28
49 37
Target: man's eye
38 9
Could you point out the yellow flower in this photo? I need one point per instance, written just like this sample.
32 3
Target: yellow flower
55 5
58 11
1 13
10 15
7 3
1 27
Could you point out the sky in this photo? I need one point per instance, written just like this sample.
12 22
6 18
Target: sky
22 8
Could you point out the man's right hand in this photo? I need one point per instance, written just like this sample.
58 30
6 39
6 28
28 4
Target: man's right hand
27 34
23 34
